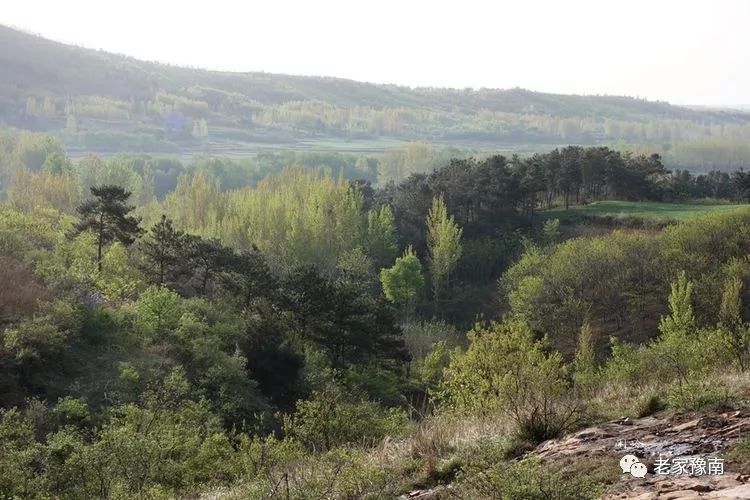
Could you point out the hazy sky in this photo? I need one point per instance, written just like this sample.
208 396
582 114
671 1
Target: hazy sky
687 52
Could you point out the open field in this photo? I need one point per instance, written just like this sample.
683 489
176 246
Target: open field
645 209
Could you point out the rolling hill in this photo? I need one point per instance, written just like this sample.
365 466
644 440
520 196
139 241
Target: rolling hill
95 100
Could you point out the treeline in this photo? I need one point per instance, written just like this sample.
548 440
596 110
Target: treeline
325 210
201 113
26 153
573 173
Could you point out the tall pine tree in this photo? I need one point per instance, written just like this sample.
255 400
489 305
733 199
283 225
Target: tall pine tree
107 216
165 252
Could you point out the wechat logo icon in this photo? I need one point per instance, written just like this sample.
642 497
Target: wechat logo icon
631 464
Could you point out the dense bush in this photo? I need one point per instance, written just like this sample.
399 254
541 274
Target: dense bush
329 419
618 282
505 369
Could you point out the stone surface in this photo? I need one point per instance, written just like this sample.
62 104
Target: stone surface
666 436
671 435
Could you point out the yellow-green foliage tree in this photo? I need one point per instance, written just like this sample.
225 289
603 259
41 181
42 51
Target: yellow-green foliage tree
197 203
397 164
618 280
403 281
295 217
735 330
28 190
444 245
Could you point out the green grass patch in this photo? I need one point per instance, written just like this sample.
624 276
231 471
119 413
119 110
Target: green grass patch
638 209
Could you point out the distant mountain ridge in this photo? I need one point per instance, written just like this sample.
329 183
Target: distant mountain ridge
101 100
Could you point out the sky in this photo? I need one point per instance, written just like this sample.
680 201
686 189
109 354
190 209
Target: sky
684 52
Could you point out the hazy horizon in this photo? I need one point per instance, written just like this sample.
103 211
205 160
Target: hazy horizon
680 52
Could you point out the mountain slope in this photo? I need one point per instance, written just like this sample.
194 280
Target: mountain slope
97 99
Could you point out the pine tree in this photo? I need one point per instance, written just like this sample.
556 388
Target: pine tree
106 215
207 258
164 250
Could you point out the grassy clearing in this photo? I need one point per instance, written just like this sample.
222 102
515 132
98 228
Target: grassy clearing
643 209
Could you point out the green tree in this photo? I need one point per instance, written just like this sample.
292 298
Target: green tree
164 251
505 368
106 215
736 331
681 318
381 235
444 245
207 258
159 310
403 281
679 353
57 164
584 361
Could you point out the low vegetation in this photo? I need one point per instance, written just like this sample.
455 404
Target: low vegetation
648 211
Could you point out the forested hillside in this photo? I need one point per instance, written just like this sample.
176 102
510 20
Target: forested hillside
98 101
171 330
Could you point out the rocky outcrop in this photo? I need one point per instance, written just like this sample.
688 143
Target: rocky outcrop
666 437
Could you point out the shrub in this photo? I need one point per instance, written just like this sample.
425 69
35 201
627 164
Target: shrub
431 369
378 384
421 337
739 455
158 310
328 419
340 473
506 369
174 449
34 339
584 362
72 411
259 456
21 457
625 366
650 405
488 475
